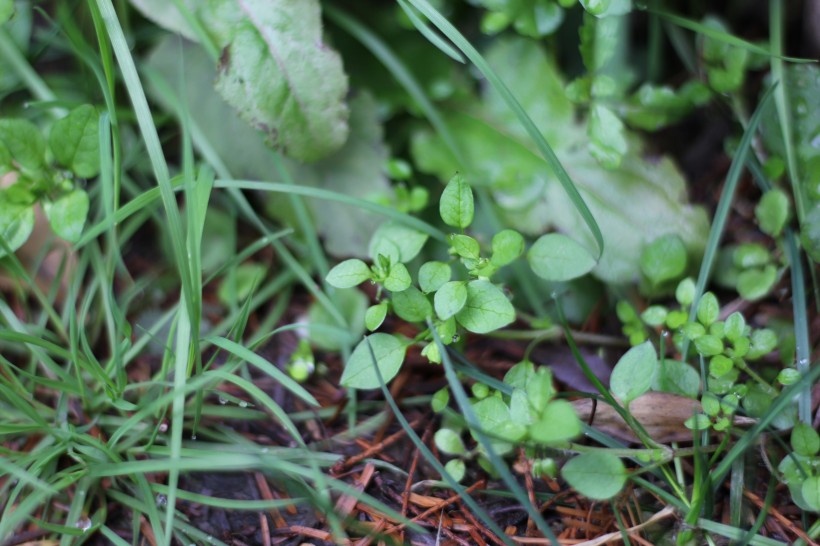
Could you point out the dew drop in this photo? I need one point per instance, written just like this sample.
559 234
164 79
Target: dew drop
162 500
264 450
163 427
665 333
223 401
815 142
243 404
456 337
193 436
84 524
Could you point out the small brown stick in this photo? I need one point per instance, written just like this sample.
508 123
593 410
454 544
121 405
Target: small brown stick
265 493
344 464
405 498
437 507
346 503
774 512
264 529
469 515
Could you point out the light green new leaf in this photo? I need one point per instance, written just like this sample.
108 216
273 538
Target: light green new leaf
375 315
348 274
22 142
664 259
597 475
465 246
396 241
411 305
487 308
359 372
773 211
433 275
75 141
450 299
556 257
16 223
67 214
279 74
558 423
456 205
398 279
449 441
634 372
508 245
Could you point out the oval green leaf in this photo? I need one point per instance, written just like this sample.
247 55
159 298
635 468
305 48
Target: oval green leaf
360 372
456 206
556 257
634 372
450 299
348 274
597 475
487 308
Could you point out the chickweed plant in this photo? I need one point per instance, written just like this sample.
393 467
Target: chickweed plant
177 181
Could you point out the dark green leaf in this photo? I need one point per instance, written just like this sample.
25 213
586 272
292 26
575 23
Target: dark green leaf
411 305
22 142
75 141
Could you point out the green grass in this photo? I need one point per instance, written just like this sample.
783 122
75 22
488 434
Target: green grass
102 407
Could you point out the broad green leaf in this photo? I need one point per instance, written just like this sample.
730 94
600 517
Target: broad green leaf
607 142
558 423
398 279
21 142
508 245
556 257
772 212
16 222
396 241
456 205
677 377
348 274
811 492
634 372
755 283
664 259
597 475
465 246
278 73
75 141
450 299
805 440
487 308
411 305
433 275
355 170
67 214
375 315
449 441
359 373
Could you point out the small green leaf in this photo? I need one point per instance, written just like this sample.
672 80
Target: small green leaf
507 246
6 10
597 475
449 441
558 423
664 259
16 222
811 492
805 440
67 214
22 142
655 315
487 308
556 257
398 279
359 373
431 352
735 326
772 212
75 141
450 299
396 241
465 246
699 421
709 345
607 140
755 283
540 390
634 372
685 292
456 468
433 275
720 365
375 315
411 305
348 274
440 400
751 255
456 206
518 377
708 309
763 341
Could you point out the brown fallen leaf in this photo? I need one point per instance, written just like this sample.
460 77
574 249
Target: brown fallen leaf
662 415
